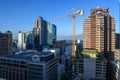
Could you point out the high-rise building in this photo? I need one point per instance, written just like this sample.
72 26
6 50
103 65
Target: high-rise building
44 33
6 43
40 33
117 41
51 33
29 65
99 37
25 41
20 41
99 30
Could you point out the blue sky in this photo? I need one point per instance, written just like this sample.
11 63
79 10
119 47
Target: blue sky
19 15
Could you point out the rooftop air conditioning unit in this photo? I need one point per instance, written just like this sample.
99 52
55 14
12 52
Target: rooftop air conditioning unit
36 58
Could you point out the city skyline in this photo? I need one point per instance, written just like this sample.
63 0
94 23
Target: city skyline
31 47
20 15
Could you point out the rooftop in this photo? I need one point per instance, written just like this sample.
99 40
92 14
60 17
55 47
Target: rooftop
26 55
90 53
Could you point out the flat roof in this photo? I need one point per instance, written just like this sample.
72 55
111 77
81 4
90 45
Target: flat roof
27 55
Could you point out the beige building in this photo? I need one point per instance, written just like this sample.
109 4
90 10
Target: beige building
117 54
6 43
99 30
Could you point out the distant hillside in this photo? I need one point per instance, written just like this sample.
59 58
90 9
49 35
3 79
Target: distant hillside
61 37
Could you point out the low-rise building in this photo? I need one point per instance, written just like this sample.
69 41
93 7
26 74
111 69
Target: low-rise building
66 60
92 65
117 40
61 44
91 68
29 66
61 71
114 70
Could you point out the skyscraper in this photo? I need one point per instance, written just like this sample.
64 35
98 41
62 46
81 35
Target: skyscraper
51 33
25 41
99 30
40 33
6 43
44 33
99 36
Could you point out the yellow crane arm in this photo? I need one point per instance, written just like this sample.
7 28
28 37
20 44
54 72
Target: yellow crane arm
60 17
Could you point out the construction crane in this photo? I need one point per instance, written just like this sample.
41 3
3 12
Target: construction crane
73 16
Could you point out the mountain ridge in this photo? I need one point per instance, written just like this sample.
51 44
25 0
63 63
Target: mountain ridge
69 37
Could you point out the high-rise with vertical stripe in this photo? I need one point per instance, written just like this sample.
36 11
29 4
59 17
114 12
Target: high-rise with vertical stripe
99 30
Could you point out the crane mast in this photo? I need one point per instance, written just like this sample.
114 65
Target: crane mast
73 39
73 16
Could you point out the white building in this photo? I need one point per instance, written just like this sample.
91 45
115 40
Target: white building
20 41
25 41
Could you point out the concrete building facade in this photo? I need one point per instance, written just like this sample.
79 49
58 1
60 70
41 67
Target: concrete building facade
99 30
92 69
117 41
61 44
6 43
44 33
30 65
114 70
25 41
40 33
66 60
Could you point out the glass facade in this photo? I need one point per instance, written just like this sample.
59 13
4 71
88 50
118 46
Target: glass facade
51 33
